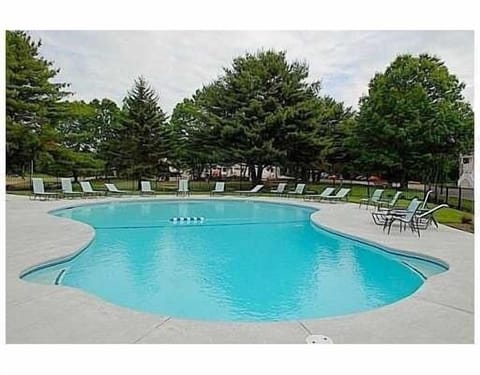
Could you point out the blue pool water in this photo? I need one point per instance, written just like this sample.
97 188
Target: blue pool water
246 261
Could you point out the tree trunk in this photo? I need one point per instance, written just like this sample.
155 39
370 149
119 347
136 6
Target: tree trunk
253 173
404 179
304 175
259 174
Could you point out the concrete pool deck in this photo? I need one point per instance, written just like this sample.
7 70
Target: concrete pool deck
441 311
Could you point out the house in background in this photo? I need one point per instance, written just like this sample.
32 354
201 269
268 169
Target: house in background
466 177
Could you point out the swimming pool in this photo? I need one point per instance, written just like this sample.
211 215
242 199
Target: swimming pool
240 260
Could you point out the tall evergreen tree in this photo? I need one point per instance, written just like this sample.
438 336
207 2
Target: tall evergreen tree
142 140
319 144
77 153
333 125
259 110
31 102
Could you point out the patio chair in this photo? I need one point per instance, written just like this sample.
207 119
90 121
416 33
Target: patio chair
318 197
298 190
112 189
379 217
407 218
39 190
425 217
255 190
388 205
67 189
219 188
280 188
88 191
342 194
146 188
183 188
425 200
374 199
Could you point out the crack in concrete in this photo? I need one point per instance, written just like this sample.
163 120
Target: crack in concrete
304 327
151 330
446 305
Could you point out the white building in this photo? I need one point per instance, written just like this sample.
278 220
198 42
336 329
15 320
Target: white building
466 179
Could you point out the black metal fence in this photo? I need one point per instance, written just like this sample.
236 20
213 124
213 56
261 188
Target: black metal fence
24 184
461 198
455 197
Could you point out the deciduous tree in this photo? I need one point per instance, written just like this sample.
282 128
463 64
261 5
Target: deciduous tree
413 120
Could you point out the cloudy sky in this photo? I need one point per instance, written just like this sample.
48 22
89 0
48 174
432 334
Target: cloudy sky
104 63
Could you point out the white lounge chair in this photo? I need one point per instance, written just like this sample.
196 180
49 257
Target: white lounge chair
146 188
88 191
425 217
342 194
39 190
425 200
318 197
298 190
67 188
255 190
280 188
183 187
219 188
379 217
374 199
405 218
112 189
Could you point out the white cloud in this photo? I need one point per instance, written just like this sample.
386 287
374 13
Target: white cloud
104 63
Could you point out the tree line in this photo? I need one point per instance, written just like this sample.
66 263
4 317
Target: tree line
262 111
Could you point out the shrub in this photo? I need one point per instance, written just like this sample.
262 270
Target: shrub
466 219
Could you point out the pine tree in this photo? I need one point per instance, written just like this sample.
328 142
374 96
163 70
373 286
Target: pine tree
256 110
260 112
31 101
143 136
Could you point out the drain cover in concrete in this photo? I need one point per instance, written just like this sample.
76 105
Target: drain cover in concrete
319 339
